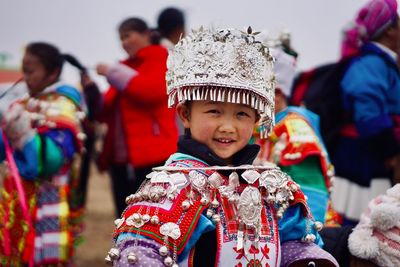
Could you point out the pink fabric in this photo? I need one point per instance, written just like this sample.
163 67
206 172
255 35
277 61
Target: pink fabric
119 75
20 190
372 19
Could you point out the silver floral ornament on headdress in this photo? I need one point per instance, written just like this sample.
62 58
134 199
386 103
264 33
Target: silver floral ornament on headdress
226 66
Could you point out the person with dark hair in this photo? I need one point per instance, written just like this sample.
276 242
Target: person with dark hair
369 142
171 25
41 139
142 131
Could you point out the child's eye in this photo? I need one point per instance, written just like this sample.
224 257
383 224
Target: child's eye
243 114
213 111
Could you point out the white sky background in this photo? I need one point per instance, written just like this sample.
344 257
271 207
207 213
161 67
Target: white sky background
88 28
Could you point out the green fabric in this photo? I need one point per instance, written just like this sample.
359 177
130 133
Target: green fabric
53 158
38 146
307 173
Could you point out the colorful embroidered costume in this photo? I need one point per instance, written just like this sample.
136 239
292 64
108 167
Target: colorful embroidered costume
46 165
186 207
295 146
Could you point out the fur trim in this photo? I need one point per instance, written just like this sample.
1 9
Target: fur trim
385 216
362 244
394 191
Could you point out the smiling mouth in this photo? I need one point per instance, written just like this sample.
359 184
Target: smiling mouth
224 141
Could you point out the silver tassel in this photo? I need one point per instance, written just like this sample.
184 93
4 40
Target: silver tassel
194 96
198 94
219 99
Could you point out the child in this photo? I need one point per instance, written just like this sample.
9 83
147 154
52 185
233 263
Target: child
208 206
43 130
295 144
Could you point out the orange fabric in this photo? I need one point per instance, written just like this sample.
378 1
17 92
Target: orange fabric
149 126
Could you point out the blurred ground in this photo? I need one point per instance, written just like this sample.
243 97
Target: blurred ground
99 222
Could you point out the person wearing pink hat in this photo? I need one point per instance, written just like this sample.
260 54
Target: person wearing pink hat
364 157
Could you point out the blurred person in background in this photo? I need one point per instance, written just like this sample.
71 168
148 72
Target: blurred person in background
295 144
40 144
142 131
365 155
171 26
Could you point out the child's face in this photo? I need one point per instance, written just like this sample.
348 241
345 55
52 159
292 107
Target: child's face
224 127
35 75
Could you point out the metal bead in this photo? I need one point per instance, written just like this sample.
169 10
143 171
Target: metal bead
309 238
116 222
132 258
168 261
293 187
154 219
163 192
209 213
146 218
318 226
154 196
108 260
216 218
114 253
163 251
136 217
128 199
185 205
279 214
215 203
144 195
171 197
138 196
204 201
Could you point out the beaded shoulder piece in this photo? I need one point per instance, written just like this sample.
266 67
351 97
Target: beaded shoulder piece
169 204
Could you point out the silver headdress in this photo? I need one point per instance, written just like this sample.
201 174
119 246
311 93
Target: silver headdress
226 66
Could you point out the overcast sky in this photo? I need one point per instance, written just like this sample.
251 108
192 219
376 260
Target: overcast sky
87 28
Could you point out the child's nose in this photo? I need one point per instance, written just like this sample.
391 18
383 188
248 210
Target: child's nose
227 126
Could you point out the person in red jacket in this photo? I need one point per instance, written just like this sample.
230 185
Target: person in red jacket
142 131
